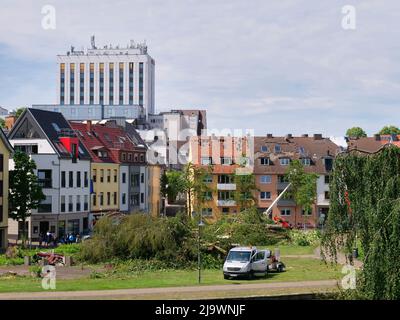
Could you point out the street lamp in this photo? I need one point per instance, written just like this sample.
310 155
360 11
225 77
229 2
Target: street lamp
200 225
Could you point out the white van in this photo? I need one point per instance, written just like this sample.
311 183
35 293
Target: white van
249 262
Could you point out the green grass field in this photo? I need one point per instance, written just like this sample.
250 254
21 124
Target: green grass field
298 269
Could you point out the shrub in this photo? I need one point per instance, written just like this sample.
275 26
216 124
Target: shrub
305 237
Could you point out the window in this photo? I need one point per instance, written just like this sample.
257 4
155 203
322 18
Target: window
70 204
265 179
101 175
94 199
306 161
71 179
135 180
28 149
142 178
208 195
124 198
63 183
264 149
115 198
264 161
226 161
108 175
86 180
44 178
108 198
123 156
326 195
225 210
78 203
115 175
265 195
206 212
129 156
62 203
207 179
225 195
285 212
94 175
328 164
327 179
282 179
142 197
86 203
205 161
284 161
306 213
78 179
225 179
278 148
101 198
141 158
123 177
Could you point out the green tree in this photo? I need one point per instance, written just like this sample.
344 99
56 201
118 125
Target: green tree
303 185
25 193
356 132
196 188
244 193
365 212
2 123
389 130
19 111
172 184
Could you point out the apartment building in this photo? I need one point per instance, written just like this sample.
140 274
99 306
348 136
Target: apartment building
272 156
5 153
168 133
372 144
119 170
63 169
268 160
223 157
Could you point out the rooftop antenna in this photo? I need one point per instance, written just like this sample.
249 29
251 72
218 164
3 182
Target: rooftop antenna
93 42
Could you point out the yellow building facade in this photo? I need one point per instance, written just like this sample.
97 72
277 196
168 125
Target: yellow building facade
105 191
5 152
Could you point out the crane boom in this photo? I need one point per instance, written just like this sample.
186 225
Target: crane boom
266 212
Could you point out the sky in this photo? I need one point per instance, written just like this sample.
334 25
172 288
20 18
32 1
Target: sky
278 67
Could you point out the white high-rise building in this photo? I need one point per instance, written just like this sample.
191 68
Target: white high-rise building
110 75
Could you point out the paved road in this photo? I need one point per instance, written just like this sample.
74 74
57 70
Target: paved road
214 291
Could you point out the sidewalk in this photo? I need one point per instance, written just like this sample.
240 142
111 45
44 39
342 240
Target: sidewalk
192 292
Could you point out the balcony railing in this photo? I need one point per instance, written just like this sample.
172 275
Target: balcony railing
226 203
226 186
286 202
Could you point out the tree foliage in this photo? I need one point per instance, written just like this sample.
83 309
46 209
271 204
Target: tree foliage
389 130
356 132
19 111
172 184
303 185
365 205
25 193
245 190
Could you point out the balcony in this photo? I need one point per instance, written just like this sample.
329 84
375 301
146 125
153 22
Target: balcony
286 202
281 185
226 203
226 186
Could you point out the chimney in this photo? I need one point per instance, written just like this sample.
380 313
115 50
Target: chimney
89 125
377 137
317 136
289 136
270 135
305 135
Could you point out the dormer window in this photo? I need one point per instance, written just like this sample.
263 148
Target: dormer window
278 148
102 154
264 149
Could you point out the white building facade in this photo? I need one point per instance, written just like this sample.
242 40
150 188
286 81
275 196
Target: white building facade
107 76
